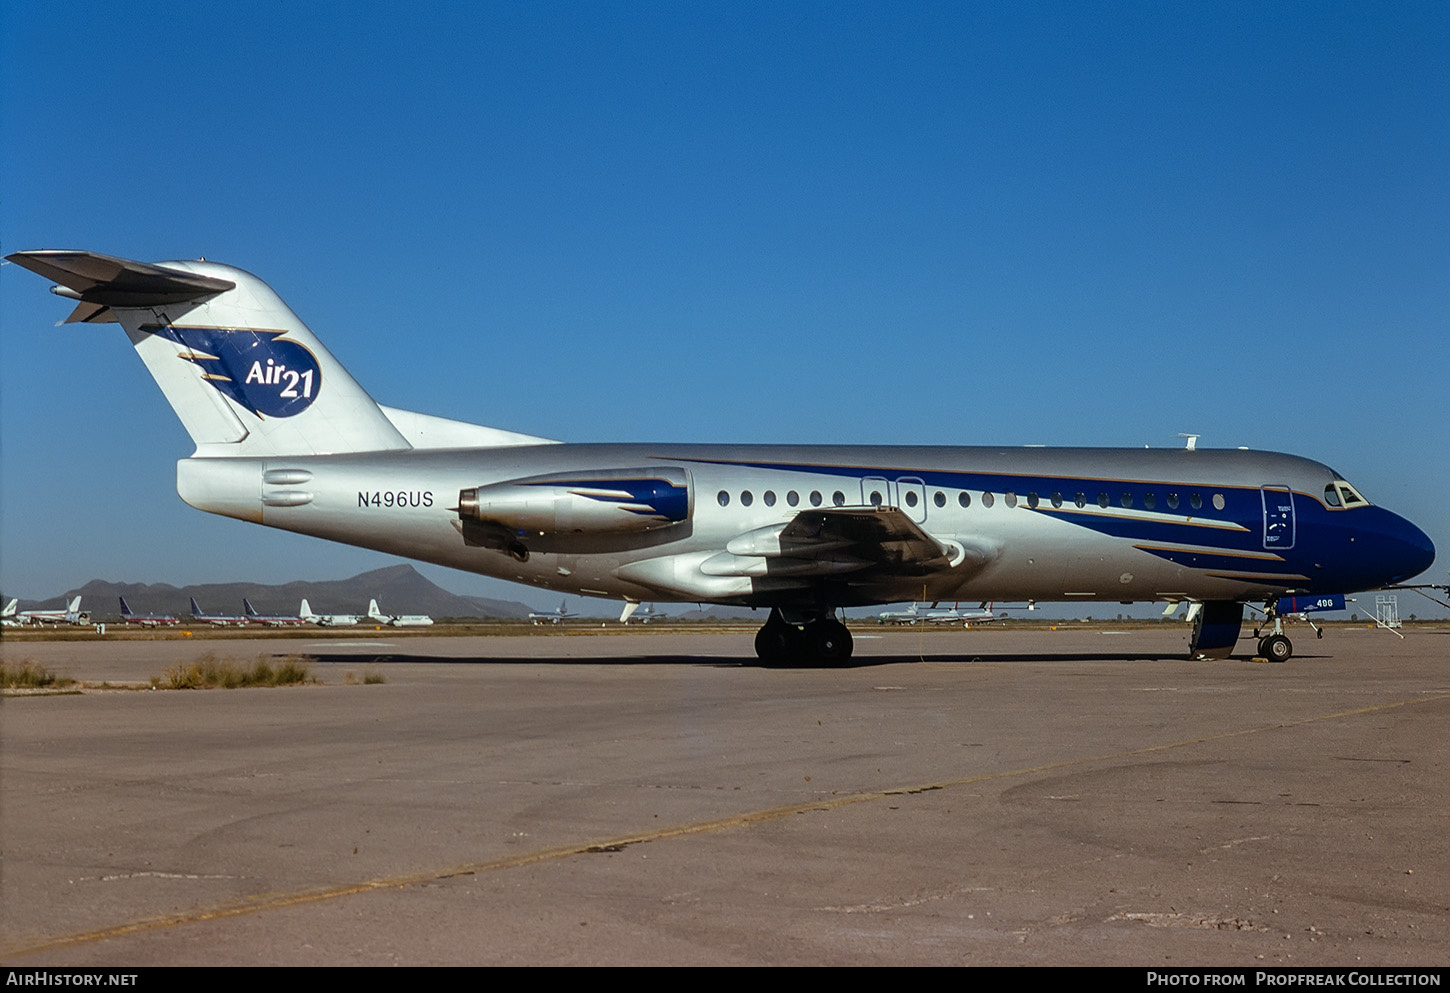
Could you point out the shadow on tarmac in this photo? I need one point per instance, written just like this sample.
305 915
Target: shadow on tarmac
710 661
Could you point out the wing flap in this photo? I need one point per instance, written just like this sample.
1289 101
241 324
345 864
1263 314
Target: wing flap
882 536
835 541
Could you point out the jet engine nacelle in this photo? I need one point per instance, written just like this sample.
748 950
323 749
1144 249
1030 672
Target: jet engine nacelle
612 501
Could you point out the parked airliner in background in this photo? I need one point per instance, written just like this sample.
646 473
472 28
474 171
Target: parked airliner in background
215 620
911 615
146 620
982 615
551 616
397 620
633 612
270 620
326 620
958 616
72 614
286 438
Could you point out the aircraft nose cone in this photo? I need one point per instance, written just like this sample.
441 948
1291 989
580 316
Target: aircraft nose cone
1413 550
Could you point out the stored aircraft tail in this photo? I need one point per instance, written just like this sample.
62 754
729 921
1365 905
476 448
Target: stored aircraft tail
244 374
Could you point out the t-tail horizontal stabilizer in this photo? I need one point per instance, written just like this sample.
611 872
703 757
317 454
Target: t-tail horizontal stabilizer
243 373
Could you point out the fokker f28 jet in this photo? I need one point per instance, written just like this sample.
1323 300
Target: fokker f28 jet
286 438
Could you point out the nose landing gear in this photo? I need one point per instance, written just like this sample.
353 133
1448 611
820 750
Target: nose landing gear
1276 648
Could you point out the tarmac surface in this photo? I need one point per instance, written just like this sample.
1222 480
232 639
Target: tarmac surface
1070 797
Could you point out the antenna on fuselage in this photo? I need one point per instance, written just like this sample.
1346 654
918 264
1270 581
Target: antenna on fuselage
1192 441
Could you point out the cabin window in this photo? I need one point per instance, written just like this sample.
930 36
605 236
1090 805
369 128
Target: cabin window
1149 500
815 498
1173 501
1104 500
964 499
746 498
792 497
1196 502
1127 500
769 498
1218 501
987 498
940 499
910 498
1057 499
1010 498
1032 500
1080 500
875 498
839 499
724 498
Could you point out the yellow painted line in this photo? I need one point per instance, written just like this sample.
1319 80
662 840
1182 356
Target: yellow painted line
260 902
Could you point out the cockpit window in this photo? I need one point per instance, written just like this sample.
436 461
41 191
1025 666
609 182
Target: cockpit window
1341 494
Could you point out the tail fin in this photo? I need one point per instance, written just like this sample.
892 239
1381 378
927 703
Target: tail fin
304 610
243 373
9 610
74 606
195 608
248 608
373 610
125 610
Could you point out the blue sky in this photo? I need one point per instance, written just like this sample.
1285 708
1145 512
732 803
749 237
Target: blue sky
1074 224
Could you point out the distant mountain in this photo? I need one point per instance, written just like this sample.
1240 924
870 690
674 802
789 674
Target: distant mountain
398 589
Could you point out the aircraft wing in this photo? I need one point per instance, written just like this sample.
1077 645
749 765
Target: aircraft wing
835 541
882 538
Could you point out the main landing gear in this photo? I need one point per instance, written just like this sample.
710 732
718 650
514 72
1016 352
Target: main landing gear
817 639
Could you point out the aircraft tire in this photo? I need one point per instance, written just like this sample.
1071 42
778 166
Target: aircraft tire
1276 648
829 641
777 641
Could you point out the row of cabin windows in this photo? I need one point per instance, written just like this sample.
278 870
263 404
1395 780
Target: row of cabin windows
838 499
964 499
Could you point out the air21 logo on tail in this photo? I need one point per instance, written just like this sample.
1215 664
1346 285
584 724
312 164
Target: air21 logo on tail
261 370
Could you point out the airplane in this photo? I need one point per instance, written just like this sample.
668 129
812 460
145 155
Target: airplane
286 438
325 620
146 620
983 615
397 620
910 615
8 616
633 612
270 620
552 616
215 620
966 618
950 616
72 614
